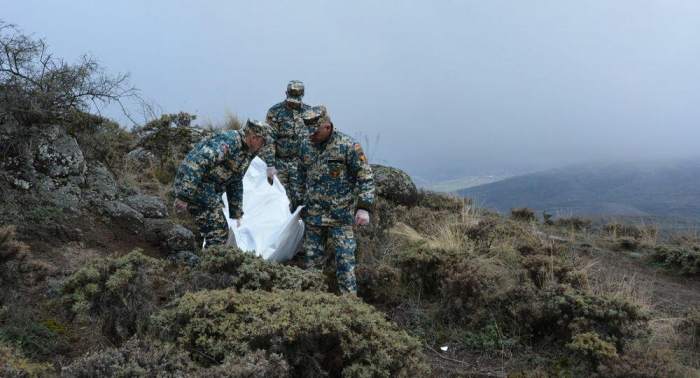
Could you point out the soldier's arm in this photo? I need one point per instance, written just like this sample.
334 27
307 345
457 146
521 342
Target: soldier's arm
267 153
301 170
234 194
361 170
196 164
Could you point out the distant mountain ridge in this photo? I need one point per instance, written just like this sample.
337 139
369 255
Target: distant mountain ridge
650 188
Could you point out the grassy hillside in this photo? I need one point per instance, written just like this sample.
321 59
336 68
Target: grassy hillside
669 189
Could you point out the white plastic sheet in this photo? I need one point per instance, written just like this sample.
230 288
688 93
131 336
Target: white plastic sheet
267 226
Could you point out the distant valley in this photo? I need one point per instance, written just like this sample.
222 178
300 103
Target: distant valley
636 189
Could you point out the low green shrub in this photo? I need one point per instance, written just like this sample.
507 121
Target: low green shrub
542 269
13 364
566 312
637 231
627 243
13 255
227 266
317 333
119 293
685 258
524 214
441 202
639 362
574 223
149 358
590 345
22 327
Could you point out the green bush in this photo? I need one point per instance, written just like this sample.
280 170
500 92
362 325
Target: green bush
524 214
685 258
119 293
13 364
627 243
13 255
22 326
543 269
148 358
593 347
317 333
227 266
573 223
639 362
566 312
636 231
103 140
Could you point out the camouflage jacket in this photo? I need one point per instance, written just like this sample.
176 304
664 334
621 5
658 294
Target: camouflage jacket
288 133
219 160
336 180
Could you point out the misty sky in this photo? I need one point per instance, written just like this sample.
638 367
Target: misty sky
450 87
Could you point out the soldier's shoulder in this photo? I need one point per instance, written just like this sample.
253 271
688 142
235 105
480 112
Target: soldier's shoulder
346 139
276 108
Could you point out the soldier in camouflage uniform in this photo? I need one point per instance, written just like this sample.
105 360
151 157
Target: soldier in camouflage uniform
288 132
214 166
338 189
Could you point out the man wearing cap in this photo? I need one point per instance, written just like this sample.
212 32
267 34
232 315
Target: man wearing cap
214 166
288 132
337 190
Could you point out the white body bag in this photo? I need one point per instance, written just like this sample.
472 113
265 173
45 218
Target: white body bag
267 226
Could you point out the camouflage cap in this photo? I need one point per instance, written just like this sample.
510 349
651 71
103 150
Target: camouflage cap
295 91
316 116
255 127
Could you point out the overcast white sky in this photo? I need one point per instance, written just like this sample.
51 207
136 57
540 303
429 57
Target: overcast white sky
450 87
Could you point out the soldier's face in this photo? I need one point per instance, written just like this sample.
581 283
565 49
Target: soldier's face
254 142
321 135
293 104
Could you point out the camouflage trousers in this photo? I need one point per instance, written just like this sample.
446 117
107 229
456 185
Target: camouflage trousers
208 211
288 174
315 239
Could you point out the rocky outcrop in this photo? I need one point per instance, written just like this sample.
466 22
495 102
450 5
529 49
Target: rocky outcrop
149 206
57 184
394 185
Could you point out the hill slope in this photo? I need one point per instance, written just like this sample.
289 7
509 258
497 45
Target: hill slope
668 188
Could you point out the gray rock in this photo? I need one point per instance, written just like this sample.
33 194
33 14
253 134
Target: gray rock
57 154
155 230
149 206
188 258
101 183
140 157
179 238
122 215
394 185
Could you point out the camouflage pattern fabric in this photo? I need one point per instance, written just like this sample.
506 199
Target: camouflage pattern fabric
214 166
287 173
209 216
315 240
337 181
282 152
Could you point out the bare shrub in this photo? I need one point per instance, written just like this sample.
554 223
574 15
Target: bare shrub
37 88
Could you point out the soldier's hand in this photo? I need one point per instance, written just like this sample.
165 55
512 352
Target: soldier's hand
271 171
180 204
361 218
